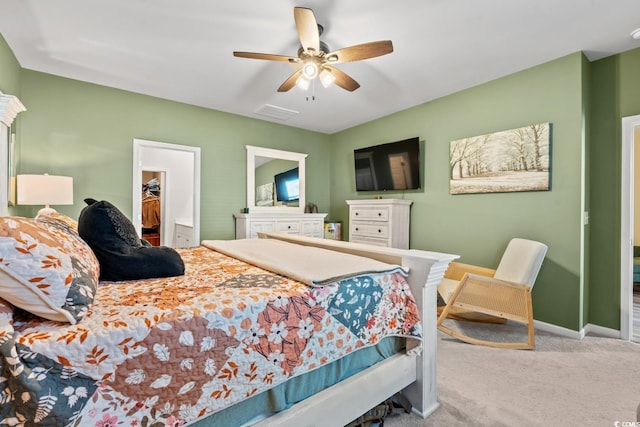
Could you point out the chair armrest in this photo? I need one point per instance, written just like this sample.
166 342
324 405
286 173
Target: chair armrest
457 270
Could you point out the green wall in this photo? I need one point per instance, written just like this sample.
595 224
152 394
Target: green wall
479 226
87 131
615 93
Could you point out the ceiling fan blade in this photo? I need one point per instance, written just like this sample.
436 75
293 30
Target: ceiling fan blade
290 82
266 56
361 51
307 29
343 80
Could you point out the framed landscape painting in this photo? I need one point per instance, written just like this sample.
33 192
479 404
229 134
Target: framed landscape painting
511 160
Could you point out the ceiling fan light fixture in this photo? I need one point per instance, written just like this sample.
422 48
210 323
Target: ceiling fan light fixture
310 70
315 59
303 83
326 77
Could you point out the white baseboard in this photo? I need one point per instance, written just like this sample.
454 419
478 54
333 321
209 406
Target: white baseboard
558 330
589 329
601 331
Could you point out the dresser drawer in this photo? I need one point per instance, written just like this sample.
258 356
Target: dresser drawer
260 227
312 228
372 213
369 241
289 227
370 229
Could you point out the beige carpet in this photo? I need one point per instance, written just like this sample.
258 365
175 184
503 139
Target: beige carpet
563 382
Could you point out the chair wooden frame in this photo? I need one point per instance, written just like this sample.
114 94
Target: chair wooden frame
492 297
483 294
456 272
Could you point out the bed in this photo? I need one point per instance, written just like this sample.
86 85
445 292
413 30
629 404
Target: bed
235 326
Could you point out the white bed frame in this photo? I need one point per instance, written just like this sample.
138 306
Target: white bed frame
415 376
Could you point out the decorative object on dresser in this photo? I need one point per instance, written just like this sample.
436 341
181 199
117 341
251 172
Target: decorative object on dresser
248 225
332 229
381 222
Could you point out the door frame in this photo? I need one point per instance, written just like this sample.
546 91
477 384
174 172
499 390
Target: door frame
138 146
629 125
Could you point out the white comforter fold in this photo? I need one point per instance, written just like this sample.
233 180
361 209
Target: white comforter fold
310 265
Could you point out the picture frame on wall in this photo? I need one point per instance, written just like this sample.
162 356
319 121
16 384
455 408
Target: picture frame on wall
506 161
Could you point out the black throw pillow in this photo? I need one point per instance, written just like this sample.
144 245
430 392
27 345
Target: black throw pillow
121 253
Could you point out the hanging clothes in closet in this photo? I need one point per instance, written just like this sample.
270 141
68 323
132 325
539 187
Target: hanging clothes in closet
151 212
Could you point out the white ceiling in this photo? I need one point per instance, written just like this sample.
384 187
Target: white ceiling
182 50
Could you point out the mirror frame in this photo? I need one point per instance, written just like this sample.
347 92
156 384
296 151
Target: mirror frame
139 165
252 153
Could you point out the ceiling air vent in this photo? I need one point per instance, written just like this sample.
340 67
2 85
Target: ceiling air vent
274 112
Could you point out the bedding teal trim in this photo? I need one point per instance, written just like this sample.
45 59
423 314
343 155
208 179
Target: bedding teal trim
299 388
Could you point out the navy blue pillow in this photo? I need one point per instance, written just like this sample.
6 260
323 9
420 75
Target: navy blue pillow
121 253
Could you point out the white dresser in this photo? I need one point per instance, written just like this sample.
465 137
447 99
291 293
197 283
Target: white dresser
183 236
305 224
381 222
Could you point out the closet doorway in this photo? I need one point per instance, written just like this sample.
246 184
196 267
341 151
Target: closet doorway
169 173
153 206
630 210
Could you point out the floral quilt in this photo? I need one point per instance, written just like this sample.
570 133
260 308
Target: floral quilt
171 351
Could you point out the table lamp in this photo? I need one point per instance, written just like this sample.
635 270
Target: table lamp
45 190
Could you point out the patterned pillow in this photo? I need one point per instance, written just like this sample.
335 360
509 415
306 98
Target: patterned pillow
61 219
46 268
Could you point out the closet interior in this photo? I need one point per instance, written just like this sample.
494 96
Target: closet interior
151 207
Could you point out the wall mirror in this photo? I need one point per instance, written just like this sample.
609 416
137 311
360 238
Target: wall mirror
275 180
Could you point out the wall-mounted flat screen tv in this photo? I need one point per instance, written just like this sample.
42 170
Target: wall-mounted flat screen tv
391 166
287 185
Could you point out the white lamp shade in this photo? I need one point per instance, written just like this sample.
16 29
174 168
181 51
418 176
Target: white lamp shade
44 190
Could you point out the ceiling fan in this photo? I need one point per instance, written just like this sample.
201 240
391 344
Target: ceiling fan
314 58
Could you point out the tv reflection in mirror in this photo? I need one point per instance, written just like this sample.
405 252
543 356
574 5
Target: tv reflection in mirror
391 166
287 186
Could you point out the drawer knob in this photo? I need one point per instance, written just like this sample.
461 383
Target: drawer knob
379 231
379 213
357 229
357 214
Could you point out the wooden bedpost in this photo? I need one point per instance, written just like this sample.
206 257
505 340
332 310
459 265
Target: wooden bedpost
424 279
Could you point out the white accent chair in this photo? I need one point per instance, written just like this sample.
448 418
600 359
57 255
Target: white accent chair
494 296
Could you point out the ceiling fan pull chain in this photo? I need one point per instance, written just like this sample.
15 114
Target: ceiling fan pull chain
313 91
